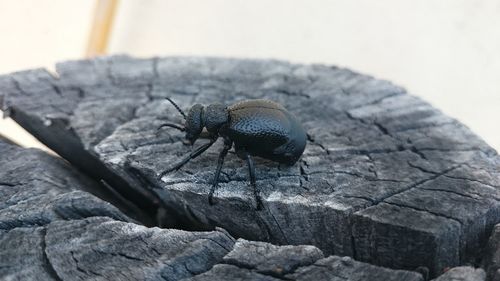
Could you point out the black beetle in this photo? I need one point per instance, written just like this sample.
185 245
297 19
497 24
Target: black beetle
256 128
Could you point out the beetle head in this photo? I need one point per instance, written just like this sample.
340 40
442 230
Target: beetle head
194 123
213 117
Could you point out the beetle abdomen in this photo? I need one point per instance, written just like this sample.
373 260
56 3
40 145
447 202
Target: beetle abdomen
266 129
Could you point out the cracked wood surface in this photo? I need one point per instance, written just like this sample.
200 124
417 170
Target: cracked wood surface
250 260
37 188
51 229
491 259
385 177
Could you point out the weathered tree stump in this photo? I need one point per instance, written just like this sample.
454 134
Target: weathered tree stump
52 229
385 178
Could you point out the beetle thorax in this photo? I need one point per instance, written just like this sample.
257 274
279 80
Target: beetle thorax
212 117
215 116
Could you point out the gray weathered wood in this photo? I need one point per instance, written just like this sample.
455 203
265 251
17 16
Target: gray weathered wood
491 259
251 260
103 249
51 229
37 188
385 178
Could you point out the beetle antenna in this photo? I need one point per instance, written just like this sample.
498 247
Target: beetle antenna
171 125
177 107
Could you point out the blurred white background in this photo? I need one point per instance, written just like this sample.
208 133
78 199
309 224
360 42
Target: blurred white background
447 51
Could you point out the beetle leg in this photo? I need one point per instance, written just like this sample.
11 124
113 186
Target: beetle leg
251 171
186 159
220 161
